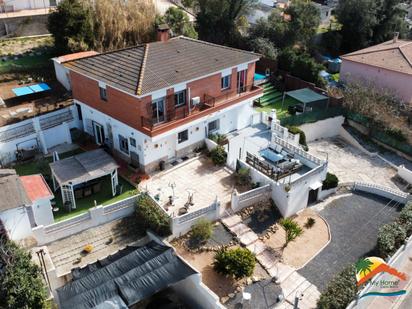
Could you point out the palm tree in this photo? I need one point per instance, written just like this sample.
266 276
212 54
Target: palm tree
363 266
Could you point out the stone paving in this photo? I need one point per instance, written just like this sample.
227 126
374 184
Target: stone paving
350 164
291 282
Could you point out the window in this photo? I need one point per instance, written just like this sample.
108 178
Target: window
132 142
103 93
180 98
158 110
225 82
124 144
213 126
182 136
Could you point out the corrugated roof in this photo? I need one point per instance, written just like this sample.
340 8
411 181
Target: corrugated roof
146 68
396 56
75 56
12 193
36 187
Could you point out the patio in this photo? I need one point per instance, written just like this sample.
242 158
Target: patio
198 177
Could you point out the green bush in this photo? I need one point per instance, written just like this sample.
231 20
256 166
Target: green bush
243 176
340 291
390 237
202 230
310 222
405 218
21 284
239 262
149 216
292 229
331 181
218 155
396 134
219 139
302 136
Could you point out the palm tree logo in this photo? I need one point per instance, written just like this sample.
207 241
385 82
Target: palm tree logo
364 266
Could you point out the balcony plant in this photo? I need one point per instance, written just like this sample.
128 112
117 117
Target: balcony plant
218 155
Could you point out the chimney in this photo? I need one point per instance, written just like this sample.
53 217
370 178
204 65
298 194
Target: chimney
395 37
163 33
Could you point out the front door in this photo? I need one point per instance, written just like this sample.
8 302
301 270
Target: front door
98 133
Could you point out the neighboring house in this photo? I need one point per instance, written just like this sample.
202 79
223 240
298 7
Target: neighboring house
388 65
19 5
159 101
24 203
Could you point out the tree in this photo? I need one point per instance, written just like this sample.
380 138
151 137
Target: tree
149 216
179 22
71 26
21 284
292 229
265 47
217 20
304 21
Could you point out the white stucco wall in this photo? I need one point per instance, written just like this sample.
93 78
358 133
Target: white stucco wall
322 129
397 82
43 214
165 145
62 74
405 174
16 222
29 4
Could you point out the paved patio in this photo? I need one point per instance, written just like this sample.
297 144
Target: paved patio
350 164
199 176
354 221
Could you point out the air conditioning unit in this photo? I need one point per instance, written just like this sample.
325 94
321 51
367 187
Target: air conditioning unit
196 101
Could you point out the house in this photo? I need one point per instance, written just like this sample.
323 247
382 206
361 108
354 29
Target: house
19 5
159 101
25 203
387 65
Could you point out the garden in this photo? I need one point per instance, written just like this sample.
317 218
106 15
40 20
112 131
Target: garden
104 197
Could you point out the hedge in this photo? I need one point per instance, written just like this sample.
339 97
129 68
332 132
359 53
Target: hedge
151 217
302 136
331 181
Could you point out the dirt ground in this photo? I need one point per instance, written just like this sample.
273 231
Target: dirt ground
19 46
219 284
304 247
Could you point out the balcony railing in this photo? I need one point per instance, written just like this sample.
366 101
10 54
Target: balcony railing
207 102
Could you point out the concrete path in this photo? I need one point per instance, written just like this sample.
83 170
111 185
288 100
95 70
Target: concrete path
291 282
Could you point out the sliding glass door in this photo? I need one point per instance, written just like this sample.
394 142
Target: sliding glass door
158 110
241 81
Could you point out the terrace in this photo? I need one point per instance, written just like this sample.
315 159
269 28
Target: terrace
208 104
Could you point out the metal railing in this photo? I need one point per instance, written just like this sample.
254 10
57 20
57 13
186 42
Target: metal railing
17 132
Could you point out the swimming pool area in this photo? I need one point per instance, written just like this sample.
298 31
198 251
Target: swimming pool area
270 155
21 91
259 76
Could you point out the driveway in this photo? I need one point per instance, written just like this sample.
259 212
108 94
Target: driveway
350 164
354 221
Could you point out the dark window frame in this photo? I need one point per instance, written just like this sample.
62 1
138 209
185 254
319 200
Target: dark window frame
123 147
223 80
103 93
185 137
180 98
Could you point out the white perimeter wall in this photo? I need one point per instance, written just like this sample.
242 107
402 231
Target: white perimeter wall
62 74
165 145
16 221
29 4
322 129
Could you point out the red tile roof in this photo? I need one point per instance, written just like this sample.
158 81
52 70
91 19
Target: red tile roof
36 187
76 56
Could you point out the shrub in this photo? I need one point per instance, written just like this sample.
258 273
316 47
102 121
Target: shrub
243 176
302 136
310 222
239 262
340 291
390 237
219 139
21 284
330 182
292 229
405 218
218 155
202 230
396 134
149 216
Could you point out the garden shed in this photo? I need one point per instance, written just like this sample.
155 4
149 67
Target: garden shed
306 96
78 175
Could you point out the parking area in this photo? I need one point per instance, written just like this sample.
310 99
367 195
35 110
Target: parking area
198 177
354 221
350 164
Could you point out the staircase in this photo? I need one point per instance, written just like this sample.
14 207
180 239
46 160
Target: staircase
270 94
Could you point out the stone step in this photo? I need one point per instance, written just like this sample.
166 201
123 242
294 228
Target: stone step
232 221
291 285
248 238
257 247
281 271
240 229
267 259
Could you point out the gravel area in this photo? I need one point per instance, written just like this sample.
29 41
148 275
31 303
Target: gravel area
354 221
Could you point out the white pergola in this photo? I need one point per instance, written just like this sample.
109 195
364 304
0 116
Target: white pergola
82 168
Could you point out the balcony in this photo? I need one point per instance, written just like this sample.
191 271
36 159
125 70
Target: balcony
176 116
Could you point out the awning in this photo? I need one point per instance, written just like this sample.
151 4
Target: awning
315 185
306 96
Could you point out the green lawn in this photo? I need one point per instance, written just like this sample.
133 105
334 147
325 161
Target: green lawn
104 197
25 63
277 105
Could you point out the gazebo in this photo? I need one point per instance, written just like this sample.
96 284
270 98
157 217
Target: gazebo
80 169
305 96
